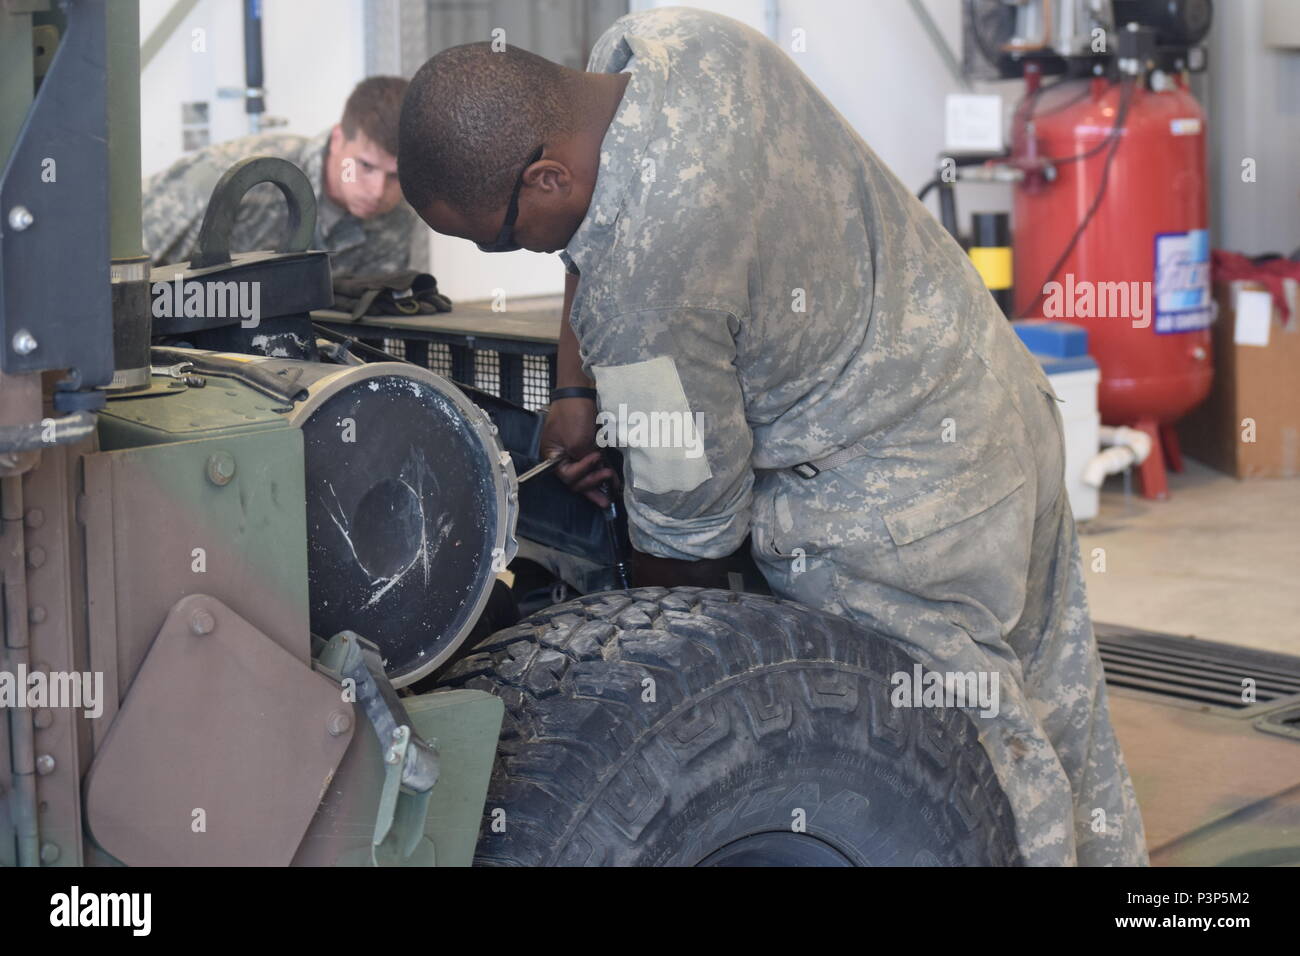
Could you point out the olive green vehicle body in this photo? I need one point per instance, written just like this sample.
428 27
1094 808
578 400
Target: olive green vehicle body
132 526
167 554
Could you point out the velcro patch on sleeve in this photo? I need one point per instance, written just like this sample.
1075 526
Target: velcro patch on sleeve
645 413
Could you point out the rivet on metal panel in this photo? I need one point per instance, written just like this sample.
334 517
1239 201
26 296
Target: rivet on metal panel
34 518
221 468
20 217
339 723
202 622
42 718
44 764
36 614
49 853
35 557
24 342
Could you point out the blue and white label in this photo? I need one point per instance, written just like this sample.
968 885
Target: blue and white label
1183 281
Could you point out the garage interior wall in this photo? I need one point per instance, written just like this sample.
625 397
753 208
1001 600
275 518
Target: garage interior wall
1254 104
314 54
872 59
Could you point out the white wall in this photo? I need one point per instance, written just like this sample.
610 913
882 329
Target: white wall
874 62
464 273
313 51
1255 113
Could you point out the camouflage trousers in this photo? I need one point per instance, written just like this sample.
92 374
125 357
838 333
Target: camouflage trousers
975 568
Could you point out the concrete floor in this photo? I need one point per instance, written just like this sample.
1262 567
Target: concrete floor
1220 559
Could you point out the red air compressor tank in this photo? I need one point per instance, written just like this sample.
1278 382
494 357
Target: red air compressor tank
1138 275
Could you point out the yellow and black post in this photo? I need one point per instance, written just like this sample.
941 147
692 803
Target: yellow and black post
990 251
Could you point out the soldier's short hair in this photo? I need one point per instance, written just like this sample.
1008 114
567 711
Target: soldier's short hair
471 119
375 108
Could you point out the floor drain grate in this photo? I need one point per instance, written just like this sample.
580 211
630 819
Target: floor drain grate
1201 672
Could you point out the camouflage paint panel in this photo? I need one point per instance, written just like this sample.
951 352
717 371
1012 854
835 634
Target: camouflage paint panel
1264 835
464 725
56 594
8 836
169 519
1214 790
221 750
223 407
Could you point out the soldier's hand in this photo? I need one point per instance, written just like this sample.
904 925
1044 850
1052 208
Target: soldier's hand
570 431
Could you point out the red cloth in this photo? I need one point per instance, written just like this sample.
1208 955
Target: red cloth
1229 266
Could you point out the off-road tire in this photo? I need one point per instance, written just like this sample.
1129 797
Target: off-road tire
688 726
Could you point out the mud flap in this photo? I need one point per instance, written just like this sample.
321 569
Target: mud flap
220 751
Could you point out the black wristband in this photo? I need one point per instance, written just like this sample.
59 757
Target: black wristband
573 391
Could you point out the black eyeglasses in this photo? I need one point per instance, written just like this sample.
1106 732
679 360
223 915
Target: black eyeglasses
505 240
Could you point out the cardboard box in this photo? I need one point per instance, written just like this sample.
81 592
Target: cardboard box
1256 391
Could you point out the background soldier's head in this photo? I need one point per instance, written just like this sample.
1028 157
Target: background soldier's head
361 170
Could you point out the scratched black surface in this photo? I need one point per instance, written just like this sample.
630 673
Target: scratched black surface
401 521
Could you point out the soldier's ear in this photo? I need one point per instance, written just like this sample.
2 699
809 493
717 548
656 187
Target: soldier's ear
550 175
336 138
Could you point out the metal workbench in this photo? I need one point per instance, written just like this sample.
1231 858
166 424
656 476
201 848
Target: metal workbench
509 353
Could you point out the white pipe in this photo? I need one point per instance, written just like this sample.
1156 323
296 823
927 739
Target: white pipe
1108 462
1128 447
1136 439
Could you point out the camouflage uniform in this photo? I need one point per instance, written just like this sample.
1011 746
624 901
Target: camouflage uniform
176 198
746 255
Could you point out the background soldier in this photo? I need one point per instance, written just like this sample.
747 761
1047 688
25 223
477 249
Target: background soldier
360 218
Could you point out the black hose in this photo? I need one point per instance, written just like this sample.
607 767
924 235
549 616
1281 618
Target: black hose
1112 139
948 209
356 344
610 514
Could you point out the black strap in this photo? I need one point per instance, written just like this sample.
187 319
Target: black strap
573 391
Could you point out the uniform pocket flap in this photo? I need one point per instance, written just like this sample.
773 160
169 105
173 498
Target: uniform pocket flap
975 490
